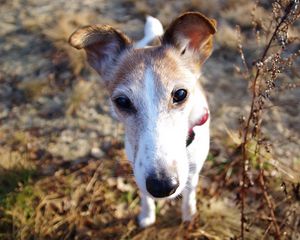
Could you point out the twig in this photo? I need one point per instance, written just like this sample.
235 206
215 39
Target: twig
269 203
266 231
94 178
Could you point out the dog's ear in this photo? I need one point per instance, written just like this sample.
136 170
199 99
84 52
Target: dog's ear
103 45
191 33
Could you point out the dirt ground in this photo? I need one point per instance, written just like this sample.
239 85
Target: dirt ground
63 172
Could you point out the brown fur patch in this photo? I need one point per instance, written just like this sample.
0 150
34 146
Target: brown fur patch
192 25
90 35
163 61
103 45
197 29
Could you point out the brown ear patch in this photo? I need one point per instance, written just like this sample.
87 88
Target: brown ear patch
192 31
193 26
103 44
89 35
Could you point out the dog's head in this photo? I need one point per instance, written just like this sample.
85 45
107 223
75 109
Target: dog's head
152 91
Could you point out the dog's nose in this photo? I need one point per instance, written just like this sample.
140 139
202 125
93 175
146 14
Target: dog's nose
161 186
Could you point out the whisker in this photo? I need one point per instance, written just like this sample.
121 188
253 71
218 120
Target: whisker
178 198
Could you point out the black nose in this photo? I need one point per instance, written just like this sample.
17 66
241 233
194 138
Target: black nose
161 186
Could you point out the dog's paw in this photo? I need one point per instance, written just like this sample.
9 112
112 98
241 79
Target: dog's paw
146 220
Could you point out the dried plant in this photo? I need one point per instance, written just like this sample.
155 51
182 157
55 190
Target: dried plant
277 56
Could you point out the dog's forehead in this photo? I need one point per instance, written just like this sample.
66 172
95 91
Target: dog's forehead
162 62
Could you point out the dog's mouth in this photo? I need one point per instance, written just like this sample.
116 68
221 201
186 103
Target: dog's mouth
199 122
190 137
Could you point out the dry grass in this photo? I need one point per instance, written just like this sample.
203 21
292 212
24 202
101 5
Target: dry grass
80 94
35 88
226 37
99 199
67 24
46 196
60 33
243 14
90 202
15 154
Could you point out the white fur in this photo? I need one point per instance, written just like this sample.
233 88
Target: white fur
147 214
153 29
143 161
162 145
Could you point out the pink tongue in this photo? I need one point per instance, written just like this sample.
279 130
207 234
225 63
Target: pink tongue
201 121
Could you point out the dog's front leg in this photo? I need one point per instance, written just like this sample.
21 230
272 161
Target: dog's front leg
188 206
147 214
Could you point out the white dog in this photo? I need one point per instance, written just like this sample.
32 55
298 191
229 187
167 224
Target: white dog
155 92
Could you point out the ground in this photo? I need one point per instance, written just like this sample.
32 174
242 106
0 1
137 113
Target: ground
63 171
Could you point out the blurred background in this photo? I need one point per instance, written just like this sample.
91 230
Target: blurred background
63 171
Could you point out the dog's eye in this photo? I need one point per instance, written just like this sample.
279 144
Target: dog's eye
123 103
179 95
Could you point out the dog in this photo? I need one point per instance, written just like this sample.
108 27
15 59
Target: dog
155 92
